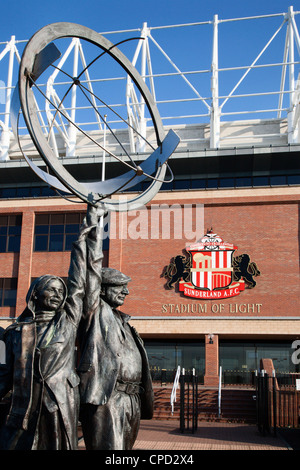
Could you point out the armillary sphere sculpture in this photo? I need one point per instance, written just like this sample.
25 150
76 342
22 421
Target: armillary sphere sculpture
40 53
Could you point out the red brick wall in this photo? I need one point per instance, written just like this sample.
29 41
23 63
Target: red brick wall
211 360
27 264
25 258
265 229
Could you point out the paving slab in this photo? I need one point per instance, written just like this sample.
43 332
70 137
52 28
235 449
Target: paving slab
166 435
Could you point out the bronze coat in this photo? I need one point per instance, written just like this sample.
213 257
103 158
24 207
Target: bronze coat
56 361
56 365
100 361
100 340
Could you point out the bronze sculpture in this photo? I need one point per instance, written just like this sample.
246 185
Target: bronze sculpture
115 382
40 359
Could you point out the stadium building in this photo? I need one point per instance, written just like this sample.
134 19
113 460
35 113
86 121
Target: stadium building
214 257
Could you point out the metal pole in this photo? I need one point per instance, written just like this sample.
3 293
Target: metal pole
263 403
266 403
104 153
5 135
274 403
188 404
292 131
101 221
256 378
72 131
219 394
291 58
182 383
258 401
142 129
194 402
283 73
215 111
9 80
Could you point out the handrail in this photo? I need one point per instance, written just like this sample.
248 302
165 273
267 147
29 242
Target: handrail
175 387
219 392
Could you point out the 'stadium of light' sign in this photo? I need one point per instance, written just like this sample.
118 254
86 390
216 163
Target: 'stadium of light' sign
210 271
207 308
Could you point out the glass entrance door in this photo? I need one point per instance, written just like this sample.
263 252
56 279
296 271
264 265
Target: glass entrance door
240 359
166 355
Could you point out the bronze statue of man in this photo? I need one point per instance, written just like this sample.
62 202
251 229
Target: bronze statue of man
115 383
40 358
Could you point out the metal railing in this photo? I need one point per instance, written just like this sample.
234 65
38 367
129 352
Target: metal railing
188 401
277 402
174 389
220 391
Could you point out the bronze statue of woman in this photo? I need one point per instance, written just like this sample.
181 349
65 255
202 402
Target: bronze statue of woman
40 357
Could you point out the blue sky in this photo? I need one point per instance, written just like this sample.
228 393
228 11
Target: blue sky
190 48
23 18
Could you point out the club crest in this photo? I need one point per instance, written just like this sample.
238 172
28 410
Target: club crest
210 271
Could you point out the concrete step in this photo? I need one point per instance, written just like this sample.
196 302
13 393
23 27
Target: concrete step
236 405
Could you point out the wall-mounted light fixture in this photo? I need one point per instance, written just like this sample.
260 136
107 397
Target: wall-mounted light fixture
211 339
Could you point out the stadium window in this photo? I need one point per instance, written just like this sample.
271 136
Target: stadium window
293 179
167 186
198 183
10 233
243 182
56 232
8 192
278 180
261 181
212 183
35 191
226 183
22 192
8 292
182 184
46 191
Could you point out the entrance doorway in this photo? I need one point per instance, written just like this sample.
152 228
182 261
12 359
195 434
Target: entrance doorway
166 355
240 359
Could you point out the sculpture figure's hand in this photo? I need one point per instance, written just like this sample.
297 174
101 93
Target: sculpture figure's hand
94 214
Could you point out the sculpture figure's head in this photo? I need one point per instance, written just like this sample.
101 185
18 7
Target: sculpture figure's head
47 293
114 287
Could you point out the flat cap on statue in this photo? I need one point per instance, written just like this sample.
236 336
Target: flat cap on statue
114 277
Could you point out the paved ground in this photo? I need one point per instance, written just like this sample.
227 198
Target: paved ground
165 435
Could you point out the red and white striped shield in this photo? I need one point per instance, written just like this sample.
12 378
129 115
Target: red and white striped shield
212 263
212 269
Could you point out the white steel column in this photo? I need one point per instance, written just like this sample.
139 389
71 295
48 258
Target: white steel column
142 128
136 104
215 110
293 127
5 135
72 131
